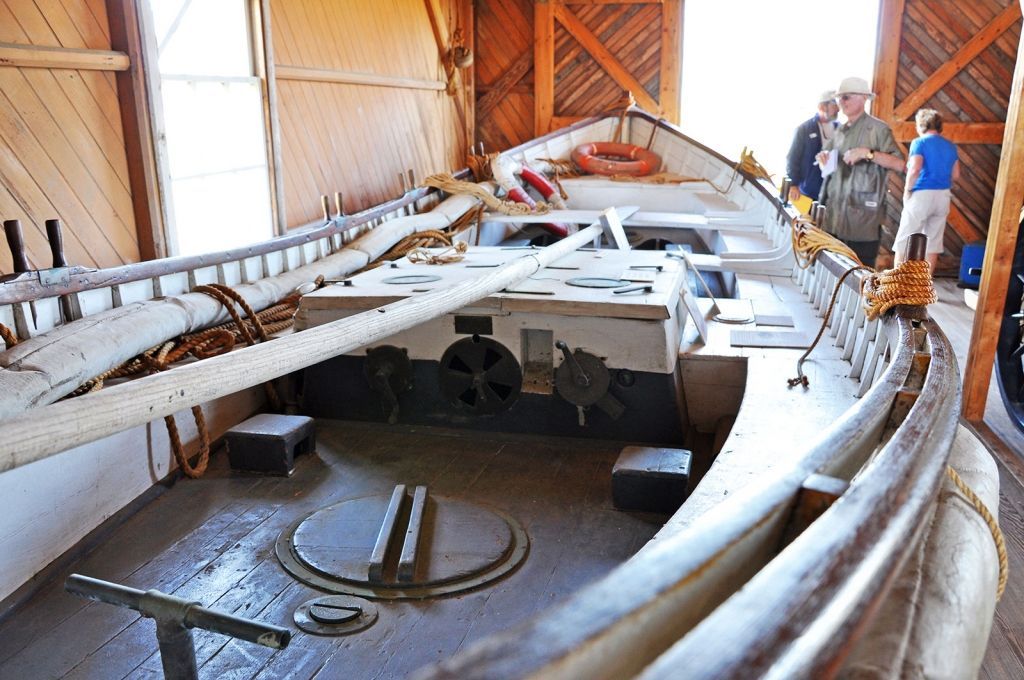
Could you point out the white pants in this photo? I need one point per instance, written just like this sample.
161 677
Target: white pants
925 213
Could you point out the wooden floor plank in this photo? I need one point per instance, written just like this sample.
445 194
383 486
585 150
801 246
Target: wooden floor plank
558 488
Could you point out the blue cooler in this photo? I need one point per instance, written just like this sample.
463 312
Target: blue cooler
971 258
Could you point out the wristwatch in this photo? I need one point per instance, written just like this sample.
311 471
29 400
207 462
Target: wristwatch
871 155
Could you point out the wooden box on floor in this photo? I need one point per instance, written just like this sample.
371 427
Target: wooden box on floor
651 479
269 442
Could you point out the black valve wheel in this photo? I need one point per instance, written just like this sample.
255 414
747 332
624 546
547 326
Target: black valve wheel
480 376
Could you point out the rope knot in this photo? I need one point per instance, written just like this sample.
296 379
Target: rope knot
908 284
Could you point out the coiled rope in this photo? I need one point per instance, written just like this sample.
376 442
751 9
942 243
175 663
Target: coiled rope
445 182
808 240
908 284
204 344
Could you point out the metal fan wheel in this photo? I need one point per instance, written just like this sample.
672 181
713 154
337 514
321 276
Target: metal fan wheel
480 375
1010 348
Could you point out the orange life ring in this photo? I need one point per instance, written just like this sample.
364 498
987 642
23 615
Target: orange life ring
636 161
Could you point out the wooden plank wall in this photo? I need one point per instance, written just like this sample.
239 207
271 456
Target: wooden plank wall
61 142
361 98
590 53
957 58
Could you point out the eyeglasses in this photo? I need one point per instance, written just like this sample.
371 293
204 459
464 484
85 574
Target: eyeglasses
846 97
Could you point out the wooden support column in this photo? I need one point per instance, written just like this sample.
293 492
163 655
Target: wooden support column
999 251
138 130
670 78
890 27
444 43
543 67
263 49
469 75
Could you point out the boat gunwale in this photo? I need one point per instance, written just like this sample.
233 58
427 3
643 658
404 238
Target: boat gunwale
667 586
28 286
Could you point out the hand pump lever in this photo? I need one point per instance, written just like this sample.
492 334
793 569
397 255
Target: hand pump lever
579 376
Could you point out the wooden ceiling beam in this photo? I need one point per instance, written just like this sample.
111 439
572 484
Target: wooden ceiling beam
605 59
35 56
972 48
958 133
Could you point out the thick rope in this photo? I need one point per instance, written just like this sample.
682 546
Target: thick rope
908 284
10 339
449 184
808 240
226 296
202 345
993 527
449 255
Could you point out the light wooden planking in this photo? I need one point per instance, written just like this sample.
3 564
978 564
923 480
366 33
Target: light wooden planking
64 150
356 137
970 48
958 61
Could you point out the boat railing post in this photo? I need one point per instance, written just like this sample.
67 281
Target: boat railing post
784 191
917 246
175 617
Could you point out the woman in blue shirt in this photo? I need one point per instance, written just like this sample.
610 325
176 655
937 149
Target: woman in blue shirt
932 167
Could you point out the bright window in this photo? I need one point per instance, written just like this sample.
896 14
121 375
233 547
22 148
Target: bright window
750 82
210 126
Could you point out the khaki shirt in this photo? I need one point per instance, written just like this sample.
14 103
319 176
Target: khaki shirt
855 194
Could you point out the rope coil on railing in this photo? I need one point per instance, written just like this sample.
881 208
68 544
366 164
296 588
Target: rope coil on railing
908 284
808 240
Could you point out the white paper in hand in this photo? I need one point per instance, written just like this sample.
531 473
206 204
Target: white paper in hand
830 163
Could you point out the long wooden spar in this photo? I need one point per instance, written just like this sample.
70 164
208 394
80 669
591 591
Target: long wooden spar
43 432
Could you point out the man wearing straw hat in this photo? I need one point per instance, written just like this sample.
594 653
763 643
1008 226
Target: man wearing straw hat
854 194
807 141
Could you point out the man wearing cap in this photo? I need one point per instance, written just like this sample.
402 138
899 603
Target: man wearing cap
854 194
800 164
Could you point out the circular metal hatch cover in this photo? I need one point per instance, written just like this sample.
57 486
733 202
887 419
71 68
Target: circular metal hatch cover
439 545
411 279
596 282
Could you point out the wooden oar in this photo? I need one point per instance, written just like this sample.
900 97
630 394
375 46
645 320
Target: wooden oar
43 432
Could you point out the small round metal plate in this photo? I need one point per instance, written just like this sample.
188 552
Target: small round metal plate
596 282
733 318
411 278
335 615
